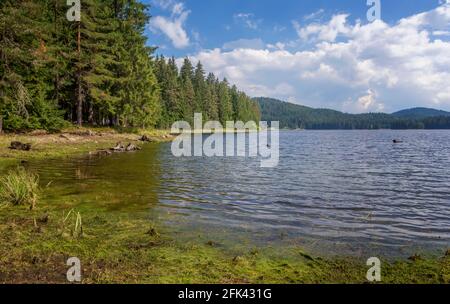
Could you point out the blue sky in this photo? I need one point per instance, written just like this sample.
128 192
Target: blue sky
321 53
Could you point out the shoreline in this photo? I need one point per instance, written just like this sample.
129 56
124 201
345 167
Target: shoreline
127 247
71 142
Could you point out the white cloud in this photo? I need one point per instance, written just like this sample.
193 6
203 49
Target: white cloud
248 19
164 4
315 15
366 103
354 67
173 26
279 28
441 33
276 46
327 32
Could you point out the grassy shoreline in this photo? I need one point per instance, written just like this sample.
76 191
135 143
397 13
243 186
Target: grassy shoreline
70 142
127 247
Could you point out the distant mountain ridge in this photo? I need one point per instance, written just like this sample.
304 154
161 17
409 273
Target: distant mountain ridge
295 116
420 113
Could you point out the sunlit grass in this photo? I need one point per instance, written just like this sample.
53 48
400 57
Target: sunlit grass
19 187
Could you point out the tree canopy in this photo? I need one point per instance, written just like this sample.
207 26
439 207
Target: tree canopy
99 71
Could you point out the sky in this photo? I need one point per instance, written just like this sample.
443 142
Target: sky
318 53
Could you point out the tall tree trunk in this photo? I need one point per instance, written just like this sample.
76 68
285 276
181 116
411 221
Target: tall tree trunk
79 104
55 9
1 123
79 88
91 113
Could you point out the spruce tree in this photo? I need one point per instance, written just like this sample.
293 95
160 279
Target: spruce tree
225 103
212 99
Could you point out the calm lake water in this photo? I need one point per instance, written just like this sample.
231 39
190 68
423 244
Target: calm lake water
334 192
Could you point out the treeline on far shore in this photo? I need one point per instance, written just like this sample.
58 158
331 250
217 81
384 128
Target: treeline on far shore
100 71
292 116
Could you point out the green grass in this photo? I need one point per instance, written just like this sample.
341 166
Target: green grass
70 142
19 187
118 247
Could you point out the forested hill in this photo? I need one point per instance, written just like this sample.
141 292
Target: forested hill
420 113
99 71
300 117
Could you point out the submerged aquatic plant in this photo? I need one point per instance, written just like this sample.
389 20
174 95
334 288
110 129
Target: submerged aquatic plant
19 187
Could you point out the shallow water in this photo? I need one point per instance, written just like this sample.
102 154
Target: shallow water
334 192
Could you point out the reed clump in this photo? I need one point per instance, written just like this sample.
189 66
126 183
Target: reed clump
19 187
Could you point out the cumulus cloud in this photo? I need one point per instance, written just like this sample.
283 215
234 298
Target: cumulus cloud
328 32
173 26
354 67
366 103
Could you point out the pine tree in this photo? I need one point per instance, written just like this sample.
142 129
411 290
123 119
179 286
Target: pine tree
225 105
187 70
135 83
212 100
26 65
188 98
96 62
200 89
99 70
170 91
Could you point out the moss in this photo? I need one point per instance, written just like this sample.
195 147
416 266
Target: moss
118 248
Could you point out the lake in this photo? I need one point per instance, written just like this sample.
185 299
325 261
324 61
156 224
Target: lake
333 192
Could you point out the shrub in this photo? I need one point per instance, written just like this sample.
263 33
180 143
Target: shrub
19 187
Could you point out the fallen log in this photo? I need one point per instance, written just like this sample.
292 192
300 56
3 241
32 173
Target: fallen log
17 145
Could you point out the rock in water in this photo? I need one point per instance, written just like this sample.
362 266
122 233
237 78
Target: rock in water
118 148
17 145
121 148
101 153
145 138
131 148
